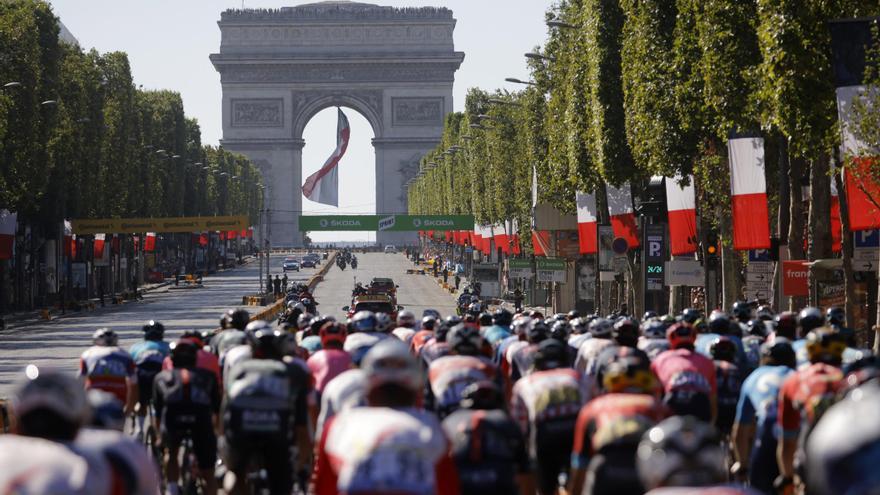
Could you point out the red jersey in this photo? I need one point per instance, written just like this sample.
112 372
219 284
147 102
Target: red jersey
326 365
205 361
685 369
612 419
805 394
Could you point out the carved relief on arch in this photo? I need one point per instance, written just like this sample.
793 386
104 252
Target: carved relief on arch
305 104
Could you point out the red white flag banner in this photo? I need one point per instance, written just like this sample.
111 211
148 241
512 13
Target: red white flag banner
8 225
541 242
682 209
98 246
748 187
623 217
323 186
836 224
499 231
486 232
150 243
587 220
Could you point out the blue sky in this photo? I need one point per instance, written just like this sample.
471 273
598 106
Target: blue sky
168 43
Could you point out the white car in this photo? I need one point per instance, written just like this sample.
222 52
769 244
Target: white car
290 265
390 249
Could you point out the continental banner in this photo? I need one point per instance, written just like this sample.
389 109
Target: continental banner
389 223
169 225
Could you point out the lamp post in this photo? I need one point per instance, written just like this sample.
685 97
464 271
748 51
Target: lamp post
556 23
538 56
519 81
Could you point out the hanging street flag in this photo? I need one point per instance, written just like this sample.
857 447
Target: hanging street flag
150 243
501 237
323 186
486 234
8 225
98 246
588 237
748 188
515 248
540 241
849 39
623 217
682 209
836 225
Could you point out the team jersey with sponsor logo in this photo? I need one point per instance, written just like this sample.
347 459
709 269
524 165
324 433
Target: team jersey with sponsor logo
685 370
448 376
108 369
806 394
548 395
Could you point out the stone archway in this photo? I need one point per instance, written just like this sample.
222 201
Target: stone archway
279 68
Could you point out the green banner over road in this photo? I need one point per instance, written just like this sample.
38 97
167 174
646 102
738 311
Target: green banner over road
389 223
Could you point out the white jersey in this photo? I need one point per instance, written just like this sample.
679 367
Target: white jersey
234 356
119 447
404 334
512 349
360 340
588 354
346 390
36 466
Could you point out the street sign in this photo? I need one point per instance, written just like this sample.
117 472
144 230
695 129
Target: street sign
758 277
685 272
866 250
761 267
867 239
795 278
550 269
619 245
393 223
865 265
520 268
654 265
759 255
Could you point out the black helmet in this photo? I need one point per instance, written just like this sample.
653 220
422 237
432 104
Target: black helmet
779 353
184 353
648 315
573 314
429 322
786 324
484 395
742 311
835 315
560 331
719 322
485 319
465 340
551 354
764 312
810 318
691 315
680 451
264 340
626 332
442 330
362 321
237 318
153 330
723 349
502 317
537 332
757 328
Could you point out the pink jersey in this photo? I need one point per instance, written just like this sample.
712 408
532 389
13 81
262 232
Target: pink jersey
545 395
326 365
204 360
108 369
684 369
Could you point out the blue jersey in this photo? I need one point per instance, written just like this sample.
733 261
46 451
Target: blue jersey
149 350
759 395
495 334
704 343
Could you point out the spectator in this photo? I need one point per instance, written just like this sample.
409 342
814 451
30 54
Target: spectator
276 284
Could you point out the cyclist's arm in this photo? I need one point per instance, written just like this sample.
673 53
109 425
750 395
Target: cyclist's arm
580 452
131 388
447 476
743 428
789 420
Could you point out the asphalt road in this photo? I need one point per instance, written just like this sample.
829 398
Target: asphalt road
415 292
60 342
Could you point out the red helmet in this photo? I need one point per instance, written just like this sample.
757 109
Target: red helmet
681 335
332 332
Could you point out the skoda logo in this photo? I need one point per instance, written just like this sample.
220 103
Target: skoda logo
323 222
417 222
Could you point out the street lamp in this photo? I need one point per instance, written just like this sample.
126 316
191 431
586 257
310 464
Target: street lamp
160 152
555 23
12 84
467 137
519 81
175 156
538 56
49 103
477 126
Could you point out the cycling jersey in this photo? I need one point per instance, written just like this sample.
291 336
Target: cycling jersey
399 451
311 344
185 400
522 361
752 348
404 334
704 341
345 391
419 339
326 365
148 356
234 356
688 381
653 347
494 334
109 369
225 340
489 451
134 471
585 362
36 466
729 380
204 360
431 351
448 376
805 395
357 344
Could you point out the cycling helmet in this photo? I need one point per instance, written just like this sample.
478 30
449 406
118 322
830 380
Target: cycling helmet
264 340
648 315
810 318
431 312
229 339
383 322
105 337
288 346
681 451
153 330
681 335
184 353
578 326
626 332
50 391
843 450
764 313
628 375
536 315
836 316
331 334
742 311
465 340
482 395
778 353
390 362
107 410
237 318
520 325
691 315
601 328
723 349
824 345
757 328
406 319
303 321
475 308
429 322
572 315
537 332
363 321
560 331
485 319
306 302
786 325
654 329
719 322
550 355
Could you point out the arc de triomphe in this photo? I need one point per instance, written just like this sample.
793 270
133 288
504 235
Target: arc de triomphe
278 68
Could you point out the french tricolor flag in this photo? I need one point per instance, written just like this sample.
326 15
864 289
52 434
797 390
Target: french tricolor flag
682 209
502 239
748 187
486 246
623 217
588 238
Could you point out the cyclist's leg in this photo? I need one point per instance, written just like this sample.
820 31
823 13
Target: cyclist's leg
171 442
235 457
279 468
205 449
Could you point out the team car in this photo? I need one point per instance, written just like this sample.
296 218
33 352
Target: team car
377 303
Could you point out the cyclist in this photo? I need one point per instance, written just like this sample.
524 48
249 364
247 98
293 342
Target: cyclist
499 330
653 339
835 317
437 346
265 411
362 335
523 359
449 375
545 405
406 318
625 335
205 360
600 329
401 449
148 356
384 323
416 339
609 428
331 360
804 397
688 378
187 399
235 319
345 391
728 378
105 366
754 431
579 332
488 447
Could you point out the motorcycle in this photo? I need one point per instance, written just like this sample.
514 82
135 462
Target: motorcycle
340 262
354 263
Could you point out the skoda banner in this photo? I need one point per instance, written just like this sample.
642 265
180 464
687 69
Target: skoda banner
392 223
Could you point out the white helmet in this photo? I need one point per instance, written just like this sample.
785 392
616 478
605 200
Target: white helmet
406 319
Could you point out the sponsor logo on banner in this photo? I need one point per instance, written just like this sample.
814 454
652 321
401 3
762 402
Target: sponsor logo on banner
386 223
795 278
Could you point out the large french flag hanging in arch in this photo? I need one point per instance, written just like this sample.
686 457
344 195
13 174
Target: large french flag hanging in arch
748 187
587 220
623 217
323 185
682 209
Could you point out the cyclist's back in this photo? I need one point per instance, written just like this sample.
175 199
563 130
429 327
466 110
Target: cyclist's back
34 465
107 367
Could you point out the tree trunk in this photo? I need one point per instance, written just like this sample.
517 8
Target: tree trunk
783 218
796 173
820 219
849 283
730 264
